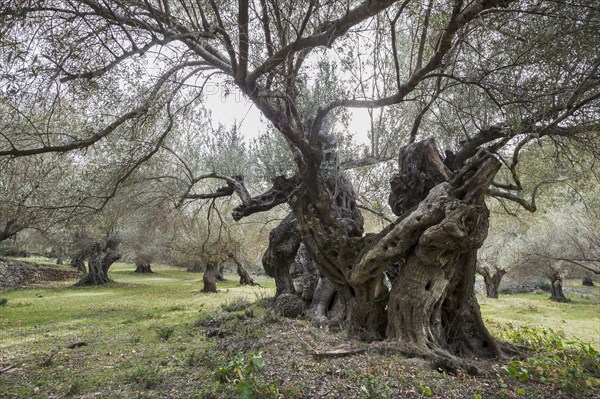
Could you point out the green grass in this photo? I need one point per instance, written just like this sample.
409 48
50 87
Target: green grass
157 335
578 319
168 294
137 331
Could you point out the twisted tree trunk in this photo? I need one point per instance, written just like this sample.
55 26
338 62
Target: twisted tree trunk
210 277
78 261
245 278
429 252
491 280
284 241
433 311
556 290
143 267
100 258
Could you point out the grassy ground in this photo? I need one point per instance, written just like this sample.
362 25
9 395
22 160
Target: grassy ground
158 336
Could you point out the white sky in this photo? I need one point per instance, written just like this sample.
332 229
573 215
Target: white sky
234 107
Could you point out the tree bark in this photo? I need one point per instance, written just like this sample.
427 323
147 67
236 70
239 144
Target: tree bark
78 262
491 280
433 311
587 281
326 306
331 227
220 273
245 278
100 259
143 268
284 241
210 277
556 291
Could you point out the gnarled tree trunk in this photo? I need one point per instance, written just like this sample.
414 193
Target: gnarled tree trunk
220 276
143 267
429 252
556 290
100 258
245 278
324 305
331 226
210 277
491 279
433 311
284 241
78 261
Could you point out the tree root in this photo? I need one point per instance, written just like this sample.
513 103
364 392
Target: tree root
439 358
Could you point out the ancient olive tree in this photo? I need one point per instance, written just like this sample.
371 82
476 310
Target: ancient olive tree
483 79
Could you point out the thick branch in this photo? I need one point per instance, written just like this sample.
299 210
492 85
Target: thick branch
278 194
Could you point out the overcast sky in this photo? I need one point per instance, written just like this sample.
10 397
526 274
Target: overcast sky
233 107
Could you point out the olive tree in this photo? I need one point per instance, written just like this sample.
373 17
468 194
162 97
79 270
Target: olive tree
482 79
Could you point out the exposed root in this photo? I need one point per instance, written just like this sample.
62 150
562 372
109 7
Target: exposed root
442 360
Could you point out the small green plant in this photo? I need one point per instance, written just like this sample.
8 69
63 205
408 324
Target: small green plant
243 372
571 365
236 305
146 375
3 301
425 390
75 388
372 390
165 332
515 370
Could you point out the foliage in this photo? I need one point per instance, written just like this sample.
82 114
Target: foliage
242 372
371 389
572 365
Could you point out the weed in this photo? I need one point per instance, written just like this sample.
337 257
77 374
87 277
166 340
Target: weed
425 390
372 390
165 332
3 301
242 372
572 365
146 375
236 305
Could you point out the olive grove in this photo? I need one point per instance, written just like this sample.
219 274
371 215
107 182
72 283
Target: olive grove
456 90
